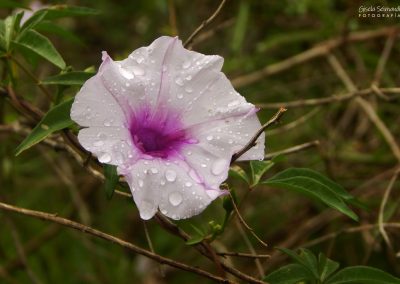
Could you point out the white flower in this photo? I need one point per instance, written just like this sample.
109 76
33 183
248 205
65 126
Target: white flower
170 121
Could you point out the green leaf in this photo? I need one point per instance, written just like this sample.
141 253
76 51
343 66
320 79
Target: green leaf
55 119
326 267
258 169
362 275
9 29
112 178
60 11
194 240
72 78
289 274
49 27
238 172
42 46
33 21
312 185
310 261
11 4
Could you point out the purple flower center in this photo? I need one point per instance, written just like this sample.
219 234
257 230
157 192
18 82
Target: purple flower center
159 134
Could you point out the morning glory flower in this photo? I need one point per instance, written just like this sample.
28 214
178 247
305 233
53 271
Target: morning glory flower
170 121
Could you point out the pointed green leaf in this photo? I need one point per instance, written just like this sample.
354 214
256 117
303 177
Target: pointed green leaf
42 46
51 28
289 274
60 11
362 275
55 119
326 267
9 30
34 20
112 178
236 171
313 186
71 78
12 4
258 169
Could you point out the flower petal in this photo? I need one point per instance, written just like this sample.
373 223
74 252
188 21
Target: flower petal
112 145
169 187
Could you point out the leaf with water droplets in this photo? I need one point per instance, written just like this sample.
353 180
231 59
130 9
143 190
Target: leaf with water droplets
55 119
111 179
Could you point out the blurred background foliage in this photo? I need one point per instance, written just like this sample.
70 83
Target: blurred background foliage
249 35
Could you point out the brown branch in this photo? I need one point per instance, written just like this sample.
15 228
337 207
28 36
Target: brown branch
382 208
99 234
314 52
316 102
242 254
204 24
293 149
384 58
365 106
252 141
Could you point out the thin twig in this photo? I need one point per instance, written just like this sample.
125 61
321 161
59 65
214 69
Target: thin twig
365 106
382 208
99 234
316 102
314 52
242 254
252 142
294 124
384 58
204 24
293 149
243 222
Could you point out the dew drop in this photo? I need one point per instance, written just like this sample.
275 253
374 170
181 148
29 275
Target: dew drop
188 184
179 96
105 158
137 71
188 90
209 137
194 176
179 81
170 175
162 182
146 210
218 167
141 183
175 198
128 75
98 143
186 64
203 165
154 170
189 77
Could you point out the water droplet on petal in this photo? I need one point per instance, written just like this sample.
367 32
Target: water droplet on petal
162 182
179 81
186 64
128 75
105 158
188 90
154 170
141 183
146 210
170 175
98 143
203 165
175 198
188 184
189 77
194 176
219 166
137 70
209 137
179 96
